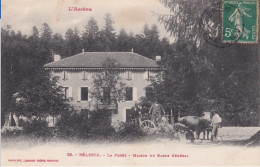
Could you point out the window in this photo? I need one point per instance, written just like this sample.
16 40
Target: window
66 92
147 75
84 93
149 92
65 75
129 75
84 75
129 94
106 95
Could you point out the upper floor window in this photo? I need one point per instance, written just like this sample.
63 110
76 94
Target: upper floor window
147 75
65 75
84 75
129 75
129 93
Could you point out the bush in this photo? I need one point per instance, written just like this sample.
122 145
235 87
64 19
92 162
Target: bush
73 125
13 131
130 132
101 127
37 129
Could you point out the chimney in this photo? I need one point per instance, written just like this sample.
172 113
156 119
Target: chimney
158 58
83 50
57 58
132 50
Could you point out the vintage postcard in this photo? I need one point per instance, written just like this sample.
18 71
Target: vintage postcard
130 83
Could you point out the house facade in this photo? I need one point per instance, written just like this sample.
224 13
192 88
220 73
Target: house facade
75 76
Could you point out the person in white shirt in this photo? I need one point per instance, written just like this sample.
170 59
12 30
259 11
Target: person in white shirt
216 120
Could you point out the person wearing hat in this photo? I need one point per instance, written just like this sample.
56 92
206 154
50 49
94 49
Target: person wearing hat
135 111
216 120
156 111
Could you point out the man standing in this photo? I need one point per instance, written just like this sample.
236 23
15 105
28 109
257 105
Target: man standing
216 120
135 111
156 111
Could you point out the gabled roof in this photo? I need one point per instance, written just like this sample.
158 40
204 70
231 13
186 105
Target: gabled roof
97 59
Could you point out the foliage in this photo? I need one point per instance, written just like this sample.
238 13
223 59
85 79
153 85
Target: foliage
130 132
72 125
11 131
73 43
109 79
91 36
40 97
201 77
107 35
95 124
100 127
37 128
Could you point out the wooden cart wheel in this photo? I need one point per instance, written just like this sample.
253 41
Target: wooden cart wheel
148 127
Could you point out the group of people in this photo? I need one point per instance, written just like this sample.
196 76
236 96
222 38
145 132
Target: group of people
156 112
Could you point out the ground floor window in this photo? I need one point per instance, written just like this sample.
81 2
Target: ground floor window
66 92
84 93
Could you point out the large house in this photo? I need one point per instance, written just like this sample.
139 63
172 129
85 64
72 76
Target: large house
75 76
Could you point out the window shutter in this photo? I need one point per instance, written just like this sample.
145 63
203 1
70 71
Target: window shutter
80 75
146 75
70 91
86 75
130 75
67 75
79 93
89 95
90 75
64 75
135 94
125 75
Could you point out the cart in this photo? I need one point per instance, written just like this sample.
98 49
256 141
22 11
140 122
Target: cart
166 124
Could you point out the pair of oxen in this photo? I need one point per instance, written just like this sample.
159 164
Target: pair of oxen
197 124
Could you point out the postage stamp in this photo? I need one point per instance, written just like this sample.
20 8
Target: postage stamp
240 21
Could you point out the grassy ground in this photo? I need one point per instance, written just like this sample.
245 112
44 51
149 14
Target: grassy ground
227 135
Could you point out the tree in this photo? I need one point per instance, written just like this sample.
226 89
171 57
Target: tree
148 42
122 41
108 36
58 44
45 55
91 35
108 85
15 57
40 97
72 42
201 76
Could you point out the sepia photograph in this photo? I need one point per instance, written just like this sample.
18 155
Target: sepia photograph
130 83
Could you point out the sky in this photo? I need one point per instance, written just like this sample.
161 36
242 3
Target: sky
131 15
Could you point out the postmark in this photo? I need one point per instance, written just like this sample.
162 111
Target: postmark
211 24
240 21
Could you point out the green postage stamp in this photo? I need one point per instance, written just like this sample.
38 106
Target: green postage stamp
240 21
